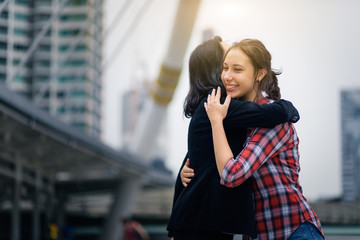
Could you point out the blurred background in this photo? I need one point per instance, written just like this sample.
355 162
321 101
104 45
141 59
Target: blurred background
91 107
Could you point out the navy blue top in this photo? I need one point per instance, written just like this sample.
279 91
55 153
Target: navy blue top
205 204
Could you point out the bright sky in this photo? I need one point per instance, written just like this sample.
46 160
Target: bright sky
314 43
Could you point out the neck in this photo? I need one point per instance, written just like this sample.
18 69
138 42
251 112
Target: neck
253 97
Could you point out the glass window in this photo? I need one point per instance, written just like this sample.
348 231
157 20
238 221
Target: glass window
60 94
3 30
21 16
44 2
71 78
61 109
16 62
78 109
46 108
20 47
44 63
63 48
69 33
79 125
79 48
22 2
3 61
4 14
42 78
21 32
73 17
42 17
78 94
74 63
47 94
76 3
3 45
2 76
44 48
20 79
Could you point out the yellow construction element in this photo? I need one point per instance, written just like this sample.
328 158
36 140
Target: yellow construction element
164 87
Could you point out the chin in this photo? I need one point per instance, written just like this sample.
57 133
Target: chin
233 95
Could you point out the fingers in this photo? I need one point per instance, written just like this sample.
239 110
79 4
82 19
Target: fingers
213 99
227 101
213 93
186 181
186 173
218 94
206 103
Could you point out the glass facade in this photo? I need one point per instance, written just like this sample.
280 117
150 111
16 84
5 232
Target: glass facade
350 129
63 73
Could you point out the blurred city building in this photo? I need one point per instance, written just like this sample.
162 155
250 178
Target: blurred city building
350 130
51 52
345 209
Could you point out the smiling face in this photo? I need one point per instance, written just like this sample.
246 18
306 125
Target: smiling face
238 75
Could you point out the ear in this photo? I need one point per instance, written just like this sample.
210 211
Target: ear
261 74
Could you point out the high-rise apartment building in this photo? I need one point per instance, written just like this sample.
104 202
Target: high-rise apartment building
350 128
50 51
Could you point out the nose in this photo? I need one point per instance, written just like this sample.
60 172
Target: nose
227 76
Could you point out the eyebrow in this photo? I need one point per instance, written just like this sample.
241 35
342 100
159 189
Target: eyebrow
237 65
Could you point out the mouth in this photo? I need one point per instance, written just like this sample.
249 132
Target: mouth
231 87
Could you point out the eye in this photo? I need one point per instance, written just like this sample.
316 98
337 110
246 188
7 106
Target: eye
237 69
225 68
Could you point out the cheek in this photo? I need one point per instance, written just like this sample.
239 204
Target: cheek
247 80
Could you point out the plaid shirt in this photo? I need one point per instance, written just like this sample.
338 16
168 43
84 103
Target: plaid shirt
271 158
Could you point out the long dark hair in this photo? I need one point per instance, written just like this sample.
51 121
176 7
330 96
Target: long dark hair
261 59
205 67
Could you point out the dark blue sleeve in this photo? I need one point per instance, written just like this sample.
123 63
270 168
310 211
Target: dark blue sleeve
250 114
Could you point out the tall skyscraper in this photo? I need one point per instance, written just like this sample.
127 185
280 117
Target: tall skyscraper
350 128
50 51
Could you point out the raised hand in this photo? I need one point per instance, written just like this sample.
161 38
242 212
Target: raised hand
214 109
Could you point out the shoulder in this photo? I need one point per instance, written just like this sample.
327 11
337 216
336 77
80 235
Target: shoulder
265 100
199 111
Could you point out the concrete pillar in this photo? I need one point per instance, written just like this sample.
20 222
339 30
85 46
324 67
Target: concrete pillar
36 202
60 212
125 197
15 212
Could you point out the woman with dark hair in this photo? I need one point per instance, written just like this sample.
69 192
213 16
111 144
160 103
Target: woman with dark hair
270 156
205 209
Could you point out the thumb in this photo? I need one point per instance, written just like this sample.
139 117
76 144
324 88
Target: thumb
187 162
227 101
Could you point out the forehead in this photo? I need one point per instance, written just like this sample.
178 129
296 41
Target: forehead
237 56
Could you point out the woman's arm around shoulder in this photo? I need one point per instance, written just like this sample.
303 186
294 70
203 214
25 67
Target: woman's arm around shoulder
250 114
